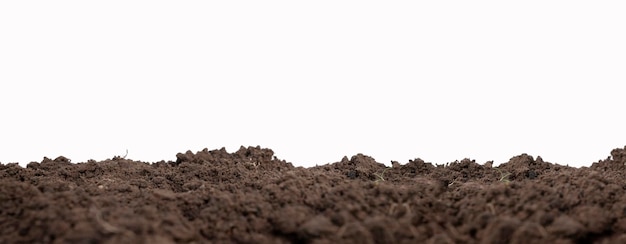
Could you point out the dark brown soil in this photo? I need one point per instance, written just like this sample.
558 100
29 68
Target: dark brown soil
251 197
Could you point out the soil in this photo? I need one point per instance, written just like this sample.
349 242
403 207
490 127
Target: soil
250 196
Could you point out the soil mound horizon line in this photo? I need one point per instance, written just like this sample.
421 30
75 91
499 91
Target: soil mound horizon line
266 154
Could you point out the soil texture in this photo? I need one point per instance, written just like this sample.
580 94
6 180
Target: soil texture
250 196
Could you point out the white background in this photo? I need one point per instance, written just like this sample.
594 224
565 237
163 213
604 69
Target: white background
313 80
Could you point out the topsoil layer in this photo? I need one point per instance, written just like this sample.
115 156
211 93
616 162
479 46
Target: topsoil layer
251 197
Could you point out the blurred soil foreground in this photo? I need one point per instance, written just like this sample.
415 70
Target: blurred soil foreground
250 196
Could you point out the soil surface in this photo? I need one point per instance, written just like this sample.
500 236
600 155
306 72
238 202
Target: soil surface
250 196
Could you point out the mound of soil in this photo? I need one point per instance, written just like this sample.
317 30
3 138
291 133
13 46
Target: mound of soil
250 196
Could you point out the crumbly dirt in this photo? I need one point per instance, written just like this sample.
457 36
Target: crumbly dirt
250 196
